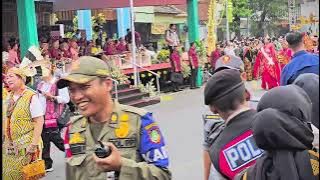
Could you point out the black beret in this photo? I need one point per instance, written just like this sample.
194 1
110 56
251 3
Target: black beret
221 84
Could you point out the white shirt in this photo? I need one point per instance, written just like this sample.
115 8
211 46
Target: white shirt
315 131
173 36
62 97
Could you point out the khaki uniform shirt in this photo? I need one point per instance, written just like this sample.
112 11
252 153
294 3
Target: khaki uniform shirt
135 134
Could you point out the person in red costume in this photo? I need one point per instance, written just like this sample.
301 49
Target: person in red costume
65 50
267 63
74 50
55 52
215 55
285 54
109 47
122 46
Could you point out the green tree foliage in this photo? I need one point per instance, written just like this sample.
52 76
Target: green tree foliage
241 8
267 15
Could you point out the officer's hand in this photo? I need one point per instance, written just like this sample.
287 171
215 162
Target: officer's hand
110 163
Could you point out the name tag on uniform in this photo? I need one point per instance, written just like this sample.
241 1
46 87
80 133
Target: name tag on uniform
124 142
242 153
79 148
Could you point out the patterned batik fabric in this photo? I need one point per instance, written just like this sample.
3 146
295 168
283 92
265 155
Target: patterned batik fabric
248 69
21 132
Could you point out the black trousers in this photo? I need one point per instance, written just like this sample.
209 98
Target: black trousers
171 48
50 135
193 78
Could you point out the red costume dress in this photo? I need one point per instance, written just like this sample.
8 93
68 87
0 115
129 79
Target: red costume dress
284 56
121 47
215 55
175 62
267 63
109 49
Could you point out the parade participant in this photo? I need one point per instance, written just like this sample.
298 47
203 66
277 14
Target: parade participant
215 55
122 46
64 47
44 48
74 50
225 95
88 50
136 142
175 61
267 63
55 52
229 49
13 59
302 61
77 34
285 54
283 131
310 84
23 125
172 37
4 108
194 64
278 46
308 43
109 47
82 46
53 101
137 35
247 59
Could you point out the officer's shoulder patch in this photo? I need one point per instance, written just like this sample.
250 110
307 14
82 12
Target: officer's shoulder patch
131 109
76 119
239 152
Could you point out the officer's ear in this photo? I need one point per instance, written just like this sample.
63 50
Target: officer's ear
213 109
108 83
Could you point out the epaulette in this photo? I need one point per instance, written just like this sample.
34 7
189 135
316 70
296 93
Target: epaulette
135 110
74 119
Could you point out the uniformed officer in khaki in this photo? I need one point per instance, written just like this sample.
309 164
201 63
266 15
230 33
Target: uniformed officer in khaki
137 146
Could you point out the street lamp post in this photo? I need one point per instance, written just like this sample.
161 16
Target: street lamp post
133 41
227 22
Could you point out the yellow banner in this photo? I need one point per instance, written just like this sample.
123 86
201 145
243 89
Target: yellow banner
159 28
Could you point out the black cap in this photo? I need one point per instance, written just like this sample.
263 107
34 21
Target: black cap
221 84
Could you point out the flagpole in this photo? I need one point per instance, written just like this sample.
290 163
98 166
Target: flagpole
133 43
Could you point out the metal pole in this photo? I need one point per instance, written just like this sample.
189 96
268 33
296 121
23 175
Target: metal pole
227 22
248 26
292 15
158 84
133 41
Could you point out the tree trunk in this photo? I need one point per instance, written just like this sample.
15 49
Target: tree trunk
237 28
261 23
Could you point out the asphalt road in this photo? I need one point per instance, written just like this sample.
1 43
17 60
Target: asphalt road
179 118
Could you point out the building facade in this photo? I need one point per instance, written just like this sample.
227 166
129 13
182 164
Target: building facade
43 10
